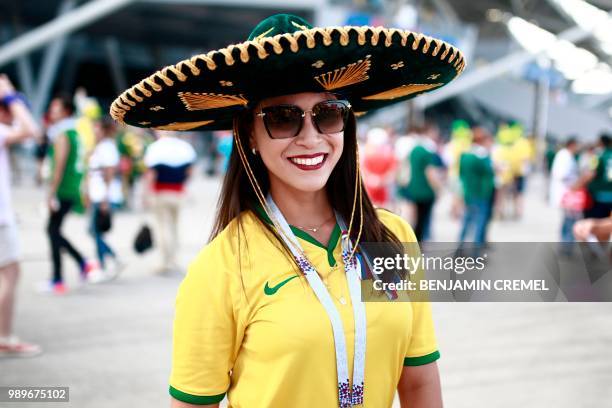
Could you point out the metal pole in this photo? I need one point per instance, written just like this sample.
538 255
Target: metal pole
493 70
540 111
71 21
114 61
49 65
24 73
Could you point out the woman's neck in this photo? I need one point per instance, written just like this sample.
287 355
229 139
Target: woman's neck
306 209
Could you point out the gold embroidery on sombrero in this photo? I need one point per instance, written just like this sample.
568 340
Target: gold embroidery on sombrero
116 113
156 108
397 65
184 125
300 26
433 76
226 83
425 47
318 64
128 99
203 100
445 53
344 76
265 33
144 123
461 67
128 102
438 47
401 91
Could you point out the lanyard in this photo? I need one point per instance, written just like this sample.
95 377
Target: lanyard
348 396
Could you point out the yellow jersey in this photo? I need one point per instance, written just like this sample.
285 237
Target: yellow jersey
248 325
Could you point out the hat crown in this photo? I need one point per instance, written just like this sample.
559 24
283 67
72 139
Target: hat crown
279 24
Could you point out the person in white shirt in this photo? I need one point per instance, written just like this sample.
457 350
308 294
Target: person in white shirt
564 176
169 162
16 124
104 192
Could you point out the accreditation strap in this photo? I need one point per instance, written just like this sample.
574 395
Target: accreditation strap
348 395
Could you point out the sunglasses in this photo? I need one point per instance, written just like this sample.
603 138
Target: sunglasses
286 121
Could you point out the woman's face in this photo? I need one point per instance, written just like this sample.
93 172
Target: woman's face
303 162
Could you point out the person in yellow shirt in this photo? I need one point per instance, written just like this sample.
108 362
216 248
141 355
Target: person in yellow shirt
270 313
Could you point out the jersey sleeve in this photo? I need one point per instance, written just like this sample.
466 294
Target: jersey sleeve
422 346
206 334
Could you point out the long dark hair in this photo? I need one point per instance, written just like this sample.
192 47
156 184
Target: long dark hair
237 194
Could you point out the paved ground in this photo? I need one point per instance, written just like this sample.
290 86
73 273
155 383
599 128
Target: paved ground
111 343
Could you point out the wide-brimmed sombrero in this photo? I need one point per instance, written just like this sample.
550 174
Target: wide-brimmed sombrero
372 67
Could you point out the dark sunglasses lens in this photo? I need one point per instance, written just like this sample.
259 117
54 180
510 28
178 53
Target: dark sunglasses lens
282 121
330 116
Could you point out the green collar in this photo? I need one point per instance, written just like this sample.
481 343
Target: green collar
331 245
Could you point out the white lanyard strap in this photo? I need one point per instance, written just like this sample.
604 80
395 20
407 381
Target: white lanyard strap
353 270
347 396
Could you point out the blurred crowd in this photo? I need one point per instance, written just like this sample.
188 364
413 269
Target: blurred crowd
486 172
90 164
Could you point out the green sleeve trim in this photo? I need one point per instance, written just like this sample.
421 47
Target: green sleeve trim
195 399
426 359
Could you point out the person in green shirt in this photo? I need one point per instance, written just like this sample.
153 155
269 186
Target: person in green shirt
425 179
66 155
600 186
478 181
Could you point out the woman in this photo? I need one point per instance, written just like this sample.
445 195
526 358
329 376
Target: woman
104 195
270 311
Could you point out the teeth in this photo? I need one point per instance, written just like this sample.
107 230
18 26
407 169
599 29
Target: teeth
308 162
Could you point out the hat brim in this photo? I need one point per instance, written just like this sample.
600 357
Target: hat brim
372 67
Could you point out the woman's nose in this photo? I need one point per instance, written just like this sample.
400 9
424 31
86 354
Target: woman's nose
309 135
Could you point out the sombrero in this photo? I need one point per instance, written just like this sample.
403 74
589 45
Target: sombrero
372 67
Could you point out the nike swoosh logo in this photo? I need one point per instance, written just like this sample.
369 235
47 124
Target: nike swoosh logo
272 290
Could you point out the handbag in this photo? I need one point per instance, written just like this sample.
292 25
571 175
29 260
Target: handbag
576 200
144 239
103 221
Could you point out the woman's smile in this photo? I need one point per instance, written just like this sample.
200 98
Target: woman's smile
308 162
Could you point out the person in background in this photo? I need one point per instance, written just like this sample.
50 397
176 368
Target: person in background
505 163
41 151
16 125
600 181
104 193
459 143
169 162
65 190
131 142
402 148
587 158
522 158
378 166
478 181
223 144
425 179
564 177
598 228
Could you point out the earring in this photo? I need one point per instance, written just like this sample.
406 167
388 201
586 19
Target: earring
254 151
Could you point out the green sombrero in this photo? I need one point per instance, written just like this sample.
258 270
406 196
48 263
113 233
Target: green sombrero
372 67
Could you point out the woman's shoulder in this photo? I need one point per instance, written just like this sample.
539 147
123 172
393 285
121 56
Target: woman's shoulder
399 226
224 251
